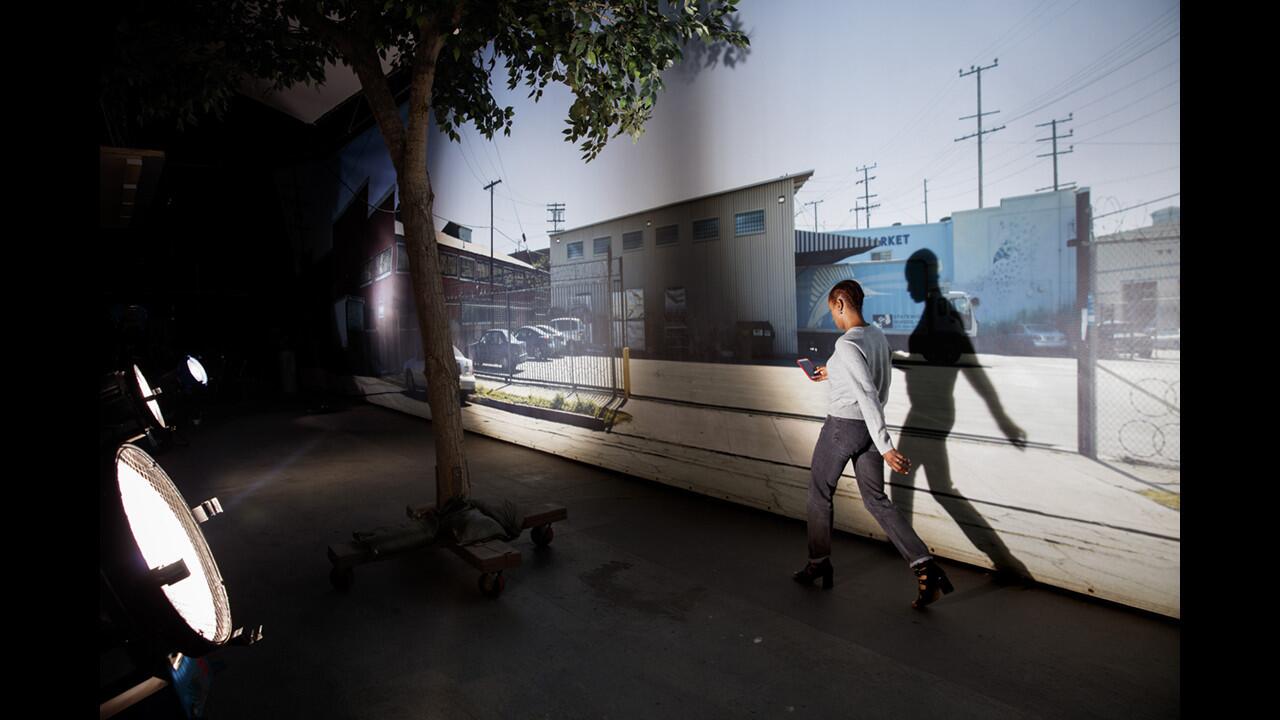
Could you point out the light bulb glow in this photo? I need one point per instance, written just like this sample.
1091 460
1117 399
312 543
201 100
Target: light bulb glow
197 371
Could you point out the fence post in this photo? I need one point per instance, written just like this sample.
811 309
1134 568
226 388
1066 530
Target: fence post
613 365
1086 353
626 372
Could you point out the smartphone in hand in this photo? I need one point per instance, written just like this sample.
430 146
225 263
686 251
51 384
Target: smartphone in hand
807 365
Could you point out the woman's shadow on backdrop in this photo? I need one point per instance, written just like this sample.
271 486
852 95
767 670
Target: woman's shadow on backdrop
941 340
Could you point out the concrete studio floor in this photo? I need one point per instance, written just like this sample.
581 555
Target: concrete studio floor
650 602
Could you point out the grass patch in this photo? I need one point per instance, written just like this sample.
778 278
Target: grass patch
580 406
1165 498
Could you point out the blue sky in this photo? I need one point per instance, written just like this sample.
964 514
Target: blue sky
834 85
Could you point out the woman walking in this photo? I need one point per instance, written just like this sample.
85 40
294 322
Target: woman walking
859 371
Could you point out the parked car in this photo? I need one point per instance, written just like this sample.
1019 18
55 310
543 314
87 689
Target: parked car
538 342
1031 339
559 343
498 347
1166 339
1118 339
575 331
415 374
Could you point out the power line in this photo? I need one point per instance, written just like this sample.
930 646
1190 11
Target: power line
866 198
1100 64
1056 152
557 215
1158 70
933 102
1107 61
978 70
1131 207
1126 107
510 196
438 216
1141 117
1134 142
1094 80
815 212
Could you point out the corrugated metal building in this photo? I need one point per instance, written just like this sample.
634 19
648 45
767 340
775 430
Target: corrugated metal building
1139 274
694 270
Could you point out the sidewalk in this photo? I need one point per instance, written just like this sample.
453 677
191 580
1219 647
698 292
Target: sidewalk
1082 527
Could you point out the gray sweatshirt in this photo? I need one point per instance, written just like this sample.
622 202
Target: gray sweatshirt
859 372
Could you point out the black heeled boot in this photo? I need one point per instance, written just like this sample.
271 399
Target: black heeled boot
813 571
933 583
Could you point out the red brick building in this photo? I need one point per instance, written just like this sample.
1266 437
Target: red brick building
372 290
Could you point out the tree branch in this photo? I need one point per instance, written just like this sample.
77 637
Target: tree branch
362 56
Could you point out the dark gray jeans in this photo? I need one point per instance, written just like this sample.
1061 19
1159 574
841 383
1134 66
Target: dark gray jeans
840 440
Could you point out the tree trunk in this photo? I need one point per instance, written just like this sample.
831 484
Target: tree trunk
442 370
408 150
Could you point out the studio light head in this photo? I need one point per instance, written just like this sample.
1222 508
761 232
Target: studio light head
161 582
188 377
132 407
129 408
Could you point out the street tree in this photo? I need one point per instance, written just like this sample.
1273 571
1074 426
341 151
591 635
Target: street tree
181 61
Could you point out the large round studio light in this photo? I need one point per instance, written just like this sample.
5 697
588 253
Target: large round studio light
166 534
157 561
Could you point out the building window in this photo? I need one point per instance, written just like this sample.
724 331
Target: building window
633 240
482 270
708 229
366 273
402 258
667 235
502 276
466 268
407 315
882 255
450 263
748 223
575 249
383 268
600 246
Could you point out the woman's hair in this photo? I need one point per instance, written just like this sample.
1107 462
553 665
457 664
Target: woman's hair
851 291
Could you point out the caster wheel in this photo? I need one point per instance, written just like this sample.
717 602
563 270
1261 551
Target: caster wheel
542 535
491 584
342 578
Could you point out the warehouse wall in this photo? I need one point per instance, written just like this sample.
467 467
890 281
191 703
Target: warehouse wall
727 280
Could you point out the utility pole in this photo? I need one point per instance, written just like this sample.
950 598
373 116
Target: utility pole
926 201
815 212
557 215
866 197
980 132
1054 136
489 187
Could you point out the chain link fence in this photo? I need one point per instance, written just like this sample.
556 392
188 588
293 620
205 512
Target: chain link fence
1136 349
555 332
